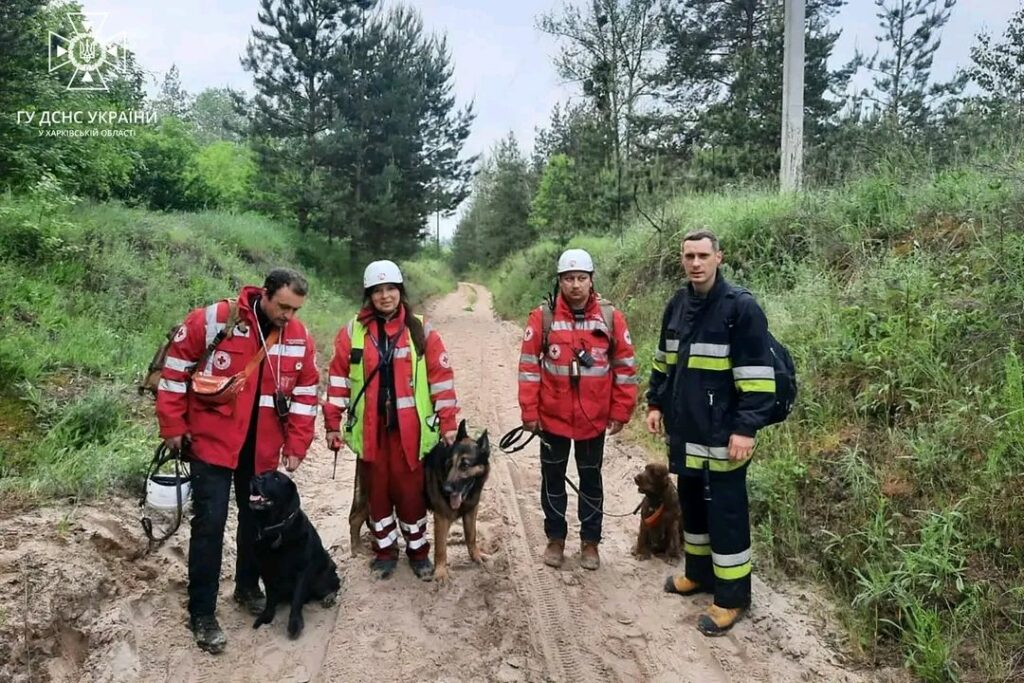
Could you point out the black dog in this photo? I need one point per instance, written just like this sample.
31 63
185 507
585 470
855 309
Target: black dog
453 481
293 563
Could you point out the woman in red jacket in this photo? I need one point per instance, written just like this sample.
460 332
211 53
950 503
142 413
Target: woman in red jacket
390 373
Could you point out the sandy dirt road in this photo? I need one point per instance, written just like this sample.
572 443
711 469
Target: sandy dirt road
80 601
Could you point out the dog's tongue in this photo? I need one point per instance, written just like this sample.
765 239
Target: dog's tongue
455 500
255 499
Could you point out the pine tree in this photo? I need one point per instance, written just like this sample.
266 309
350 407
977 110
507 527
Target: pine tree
293 57
446 130
904 93
215 116
578 133
173 99
723 80
496 223
395 148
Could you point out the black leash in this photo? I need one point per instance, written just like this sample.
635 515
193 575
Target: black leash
162 456
595 508
507 444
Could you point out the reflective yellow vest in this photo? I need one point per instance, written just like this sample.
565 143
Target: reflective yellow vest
420 388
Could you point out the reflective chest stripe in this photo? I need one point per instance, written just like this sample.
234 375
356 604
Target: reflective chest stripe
287 350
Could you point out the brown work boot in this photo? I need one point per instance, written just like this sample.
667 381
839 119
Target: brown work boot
554 554
589 559
717 620
680 585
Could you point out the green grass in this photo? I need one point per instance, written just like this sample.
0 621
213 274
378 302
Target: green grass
427 278
899 480
90 291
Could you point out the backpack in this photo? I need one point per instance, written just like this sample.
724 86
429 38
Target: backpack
785 380
548 317
785 374
151 380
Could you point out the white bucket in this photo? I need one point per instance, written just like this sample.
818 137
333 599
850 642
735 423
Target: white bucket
162 491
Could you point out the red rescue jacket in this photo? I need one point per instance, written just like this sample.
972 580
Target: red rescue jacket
218 431
439 376
606 391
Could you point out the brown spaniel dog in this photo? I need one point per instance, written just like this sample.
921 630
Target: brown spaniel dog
661 519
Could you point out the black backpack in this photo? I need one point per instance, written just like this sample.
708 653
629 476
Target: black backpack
785 380
785 374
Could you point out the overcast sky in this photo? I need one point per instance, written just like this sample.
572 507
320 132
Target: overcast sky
502 63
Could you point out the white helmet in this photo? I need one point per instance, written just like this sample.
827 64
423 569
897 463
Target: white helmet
380 273
575 259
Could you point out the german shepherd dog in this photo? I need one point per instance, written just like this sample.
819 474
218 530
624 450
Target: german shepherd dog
453 481
660 515
292 561
359 513
454 478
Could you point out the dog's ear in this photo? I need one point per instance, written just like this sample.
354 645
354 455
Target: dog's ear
462 431
483 444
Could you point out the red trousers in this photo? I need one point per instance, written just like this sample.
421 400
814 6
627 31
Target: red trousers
394 486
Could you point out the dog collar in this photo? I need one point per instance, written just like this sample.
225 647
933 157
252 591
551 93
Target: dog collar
267 531
655 516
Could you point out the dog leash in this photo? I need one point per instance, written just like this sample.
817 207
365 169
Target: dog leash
595 508
508 445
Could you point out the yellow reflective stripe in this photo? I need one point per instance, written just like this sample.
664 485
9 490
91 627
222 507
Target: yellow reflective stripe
706 363
671 358
756 385
702 550
732 573
660 367
697 463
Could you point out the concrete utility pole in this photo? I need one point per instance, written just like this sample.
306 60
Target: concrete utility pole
791 176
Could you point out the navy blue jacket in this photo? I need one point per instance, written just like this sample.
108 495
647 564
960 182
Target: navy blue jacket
713 375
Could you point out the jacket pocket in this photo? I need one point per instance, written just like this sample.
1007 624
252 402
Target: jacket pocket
716 410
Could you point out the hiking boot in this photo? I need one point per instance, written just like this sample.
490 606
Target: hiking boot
589 559
208 634
718 620
423 569
382 568
554 554
680 585
251 599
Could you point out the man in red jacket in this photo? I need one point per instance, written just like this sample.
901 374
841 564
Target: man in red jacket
269 421
577 381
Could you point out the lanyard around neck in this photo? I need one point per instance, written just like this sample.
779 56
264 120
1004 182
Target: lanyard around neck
390 345
280 347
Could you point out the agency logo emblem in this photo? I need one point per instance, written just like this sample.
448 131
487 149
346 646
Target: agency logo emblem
83 54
